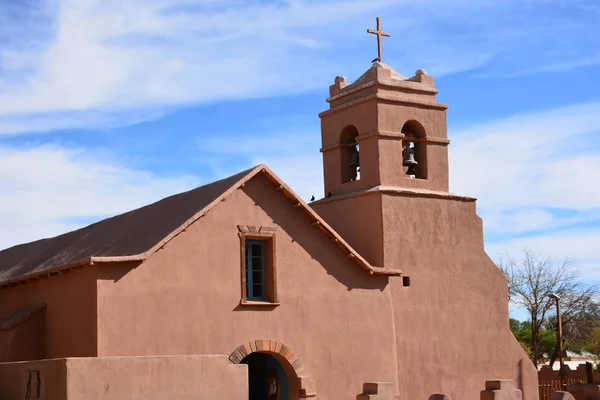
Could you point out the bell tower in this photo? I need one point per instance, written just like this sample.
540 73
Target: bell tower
384 130
385 163
384 136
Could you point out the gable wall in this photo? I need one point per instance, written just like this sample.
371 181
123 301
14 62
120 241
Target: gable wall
70 315
185 298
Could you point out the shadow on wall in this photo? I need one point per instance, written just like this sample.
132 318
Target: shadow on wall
22 334
116 271
311 239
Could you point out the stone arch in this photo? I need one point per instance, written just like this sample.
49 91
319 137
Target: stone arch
414 129
348 134
306 386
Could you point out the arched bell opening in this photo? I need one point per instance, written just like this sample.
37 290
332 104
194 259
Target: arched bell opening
414 150
349 154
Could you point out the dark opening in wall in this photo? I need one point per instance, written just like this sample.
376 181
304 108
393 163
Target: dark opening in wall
349 154
406 281
415 137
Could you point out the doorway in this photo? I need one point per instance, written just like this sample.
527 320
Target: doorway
267 379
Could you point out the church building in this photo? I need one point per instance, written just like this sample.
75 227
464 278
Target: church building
241 290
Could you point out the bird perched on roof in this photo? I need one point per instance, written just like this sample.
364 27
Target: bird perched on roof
376 60
312 198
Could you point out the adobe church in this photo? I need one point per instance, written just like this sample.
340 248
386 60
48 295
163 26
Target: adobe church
240 290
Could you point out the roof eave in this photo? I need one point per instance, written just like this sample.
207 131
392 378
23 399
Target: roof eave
34 276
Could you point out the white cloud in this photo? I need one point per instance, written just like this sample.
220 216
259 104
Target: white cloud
544 159
82 58
580 245
52 189
294 156
52 121
536 178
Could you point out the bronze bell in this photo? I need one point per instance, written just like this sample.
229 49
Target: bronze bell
355 160
409 160
409 157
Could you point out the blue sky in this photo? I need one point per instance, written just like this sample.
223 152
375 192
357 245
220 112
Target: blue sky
106 105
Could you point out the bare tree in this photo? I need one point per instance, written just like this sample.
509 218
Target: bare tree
532 278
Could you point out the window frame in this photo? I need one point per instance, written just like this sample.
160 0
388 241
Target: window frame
249 269
267 238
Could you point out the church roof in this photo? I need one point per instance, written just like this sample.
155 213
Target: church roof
137 234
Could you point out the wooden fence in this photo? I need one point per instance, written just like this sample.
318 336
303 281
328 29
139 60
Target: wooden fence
549 379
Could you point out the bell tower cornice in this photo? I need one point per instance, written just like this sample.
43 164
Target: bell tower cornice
383 83
388 135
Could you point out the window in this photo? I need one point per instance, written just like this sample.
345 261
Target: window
258 274
255 270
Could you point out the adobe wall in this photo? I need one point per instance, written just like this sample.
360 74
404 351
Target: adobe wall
16 381
364 229
186 298
132 378
452 322
70 314
24 340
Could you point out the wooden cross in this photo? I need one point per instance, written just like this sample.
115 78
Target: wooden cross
379 34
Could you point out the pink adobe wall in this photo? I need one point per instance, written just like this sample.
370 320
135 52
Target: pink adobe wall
70 314
332 126
132 378
185 299
52 379
365 229
392 117
452 322
157 378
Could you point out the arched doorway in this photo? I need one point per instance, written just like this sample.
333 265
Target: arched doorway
267 380
282 359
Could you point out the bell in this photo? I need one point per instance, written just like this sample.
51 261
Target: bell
409 161
355 160
409 157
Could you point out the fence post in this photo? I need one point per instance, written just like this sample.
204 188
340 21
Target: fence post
589 372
